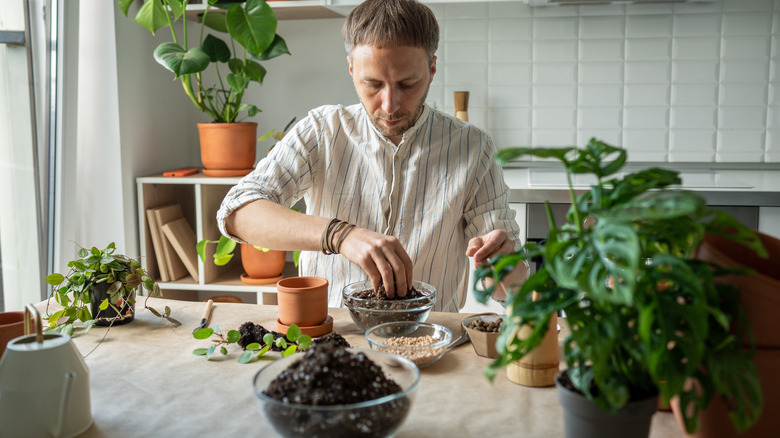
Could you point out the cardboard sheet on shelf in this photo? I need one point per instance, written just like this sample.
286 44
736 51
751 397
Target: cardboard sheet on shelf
165 215
154 232
182 238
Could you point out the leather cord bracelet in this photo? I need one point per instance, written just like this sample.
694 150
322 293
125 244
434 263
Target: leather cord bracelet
344 233
331 230
324 240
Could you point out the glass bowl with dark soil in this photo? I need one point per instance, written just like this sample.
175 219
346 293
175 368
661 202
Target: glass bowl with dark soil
333 391
369 308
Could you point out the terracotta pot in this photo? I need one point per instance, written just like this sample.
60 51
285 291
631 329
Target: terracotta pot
760 299
11 326
714 421
760 292
302 300
227 149
262 264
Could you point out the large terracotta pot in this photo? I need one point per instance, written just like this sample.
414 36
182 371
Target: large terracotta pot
259 264
228 149
302 301
760 299
759 292
714 422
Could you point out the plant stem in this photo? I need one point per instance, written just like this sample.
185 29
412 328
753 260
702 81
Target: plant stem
170 24
186 82
573 198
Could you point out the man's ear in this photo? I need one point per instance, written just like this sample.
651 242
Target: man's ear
433 68
349 62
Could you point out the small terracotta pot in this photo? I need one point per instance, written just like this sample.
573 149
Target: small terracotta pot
302 300
228 148
11 326
262 264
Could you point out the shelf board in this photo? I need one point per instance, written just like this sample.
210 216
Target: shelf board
229 280
284 10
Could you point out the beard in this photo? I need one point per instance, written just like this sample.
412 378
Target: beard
410 119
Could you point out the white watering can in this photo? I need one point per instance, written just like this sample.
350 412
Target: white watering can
44 385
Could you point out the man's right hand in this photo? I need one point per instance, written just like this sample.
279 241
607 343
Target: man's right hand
382 257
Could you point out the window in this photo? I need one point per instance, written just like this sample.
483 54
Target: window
26 54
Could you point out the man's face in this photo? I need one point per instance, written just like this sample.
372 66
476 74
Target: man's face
392 85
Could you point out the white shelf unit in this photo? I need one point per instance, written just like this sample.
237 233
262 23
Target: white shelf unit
287 10
200 197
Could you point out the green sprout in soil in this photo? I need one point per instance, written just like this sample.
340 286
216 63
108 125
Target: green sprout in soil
293 342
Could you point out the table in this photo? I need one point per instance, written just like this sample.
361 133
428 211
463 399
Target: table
146 382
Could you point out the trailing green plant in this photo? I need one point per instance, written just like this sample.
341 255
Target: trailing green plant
291 343
645 317
73 291
251 30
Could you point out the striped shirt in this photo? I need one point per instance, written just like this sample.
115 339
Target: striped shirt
436 190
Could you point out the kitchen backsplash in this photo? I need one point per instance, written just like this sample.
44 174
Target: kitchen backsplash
670 82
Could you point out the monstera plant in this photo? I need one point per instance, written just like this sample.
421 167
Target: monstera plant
646 317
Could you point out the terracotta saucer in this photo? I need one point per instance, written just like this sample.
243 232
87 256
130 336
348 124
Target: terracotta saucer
312 330
227 172
249 280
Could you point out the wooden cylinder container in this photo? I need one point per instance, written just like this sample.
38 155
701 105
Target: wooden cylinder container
537 368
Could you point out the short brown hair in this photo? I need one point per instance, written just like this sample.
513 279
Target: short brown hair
392 23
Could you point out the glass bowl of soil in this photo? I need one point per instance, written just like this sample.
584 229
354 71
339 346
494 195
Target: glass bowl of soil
369 308
333 391
421 342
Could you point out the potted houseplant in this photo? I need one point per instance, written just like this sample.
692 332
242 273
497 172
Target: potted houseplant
100 289
646 318
261 265
228 145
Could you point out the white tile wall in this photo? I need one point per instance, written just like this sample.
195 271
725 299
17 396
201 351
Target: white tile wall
670 82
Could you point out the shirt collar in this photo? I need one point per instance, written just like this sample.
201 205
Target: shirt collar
422 120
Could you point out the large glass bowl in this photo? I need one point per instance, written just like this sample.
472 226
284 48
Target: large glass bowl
367 313
385 337
375 418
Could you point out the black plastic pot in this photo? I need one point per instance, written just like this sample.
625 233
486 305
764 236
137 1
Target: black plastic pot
583 419
97 295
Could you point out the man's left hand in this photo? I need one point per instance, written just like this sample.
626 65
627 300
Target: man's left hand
483 247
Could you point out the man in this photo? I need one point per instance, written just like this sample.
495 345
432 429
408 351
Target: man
401 191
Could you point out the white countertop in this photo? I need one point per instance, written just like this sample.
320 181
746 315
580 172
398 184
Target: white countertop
749 187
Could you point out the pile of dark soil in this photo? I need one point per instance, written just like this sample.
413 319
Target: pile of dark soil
331 337
327 375
251 333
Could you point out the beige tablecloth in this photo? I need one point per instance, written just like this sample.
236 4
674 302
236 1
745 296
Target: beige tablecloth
145 382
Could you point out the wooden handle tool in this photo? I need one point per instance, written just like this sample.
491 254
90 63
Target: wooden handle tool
206 313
